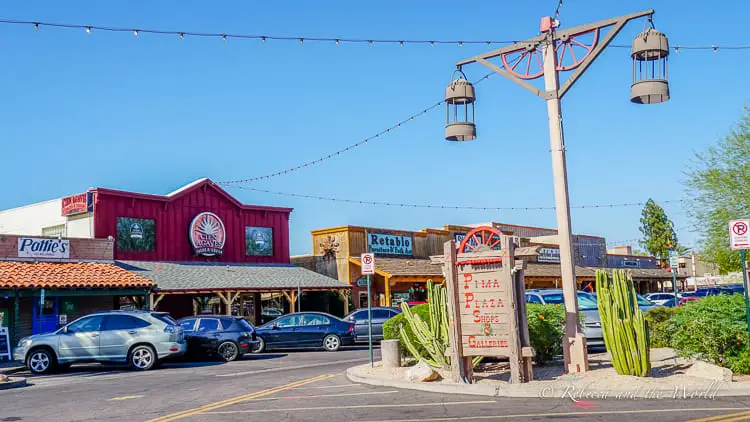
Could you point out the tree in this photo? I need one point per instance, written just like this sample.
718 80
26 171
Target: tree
657 229
719 187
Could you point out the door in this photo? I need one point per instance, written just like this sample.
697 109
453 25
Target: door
45 318
311 330
282 332
207 333
118 333
81 340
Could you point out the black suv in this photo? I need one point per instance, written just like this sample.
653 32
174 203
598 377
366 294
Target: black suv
226 337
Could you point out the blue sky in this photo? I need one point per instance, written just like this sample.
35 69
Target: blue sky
152 113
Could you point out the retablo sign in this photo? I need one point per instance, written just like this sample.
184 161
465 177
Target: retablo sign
739 238
368 263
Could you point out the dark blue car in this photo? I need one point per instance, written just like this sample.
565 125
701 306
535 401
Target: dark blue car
304 330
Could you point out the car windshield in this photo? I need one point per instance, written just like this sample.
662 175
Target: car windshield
585 303
642 301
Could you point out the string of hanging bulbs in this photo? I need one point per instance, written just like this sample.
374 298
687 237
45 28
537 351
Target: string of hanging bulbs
225 36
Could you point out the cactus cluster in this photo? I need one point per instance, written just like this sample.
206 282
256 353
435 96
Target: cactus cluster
623 324
432 336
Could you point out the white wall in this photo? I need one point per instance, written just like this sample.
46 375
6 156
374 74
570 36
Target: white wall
30 219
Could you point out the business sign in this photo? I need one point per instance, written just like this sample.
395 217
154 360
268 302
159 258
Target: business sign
62 319
207 234
258 241
136 234
739 238
458 237
631 263
78 204
485 308
4 343
549 255
362 282
368 263
389 244
30 247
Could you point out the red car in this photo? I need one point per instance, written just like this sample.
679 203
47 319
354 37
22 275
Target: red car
685 300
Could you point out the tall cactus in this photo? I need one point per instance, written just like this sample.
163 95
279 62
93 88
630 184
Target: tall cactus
433 337
623 324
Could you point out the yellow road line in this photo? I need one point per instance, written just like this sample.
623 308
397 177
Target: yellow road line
236 400
553 414
321 396
359 406
124 398
725 418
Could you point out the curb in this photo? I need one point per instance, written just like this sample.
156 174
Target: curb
554 390
14 383
10 371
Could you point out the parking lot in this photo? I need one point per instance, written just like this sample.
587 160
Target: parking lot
292 385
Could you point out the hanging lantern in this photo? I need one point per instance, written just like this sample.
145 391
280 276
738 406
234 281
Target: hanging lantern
459 110
649 53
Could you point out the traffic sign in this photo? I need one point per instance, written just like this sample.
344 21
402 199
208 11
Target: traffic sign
368 263
739 238
674 259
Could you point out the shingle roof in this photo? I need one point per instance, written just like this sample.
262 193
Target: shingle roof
552 270
48 275
209 276
406 266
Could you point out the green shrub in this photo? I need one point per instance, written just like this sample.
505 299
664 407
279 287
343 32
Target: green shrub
713 329
546 326
740 363
660 333
392 327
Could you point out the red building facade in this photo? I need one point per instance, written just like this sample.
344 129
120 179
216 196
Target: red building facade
199 222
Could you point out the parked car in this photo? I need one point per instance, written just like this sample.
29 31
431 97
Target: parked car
587 305
379 316
710 291
686 300
661 299
305 329
138 338
226 337
734 289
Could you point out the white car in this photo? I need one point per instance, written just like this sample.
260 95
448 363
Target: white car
661 298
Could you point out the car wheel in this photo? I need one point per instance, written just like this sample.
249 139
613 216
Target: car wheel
142 358
332 343
40 361
228 351
260 347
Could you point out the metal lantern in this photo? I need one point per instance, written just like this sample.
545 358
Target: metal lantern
459 110
649 53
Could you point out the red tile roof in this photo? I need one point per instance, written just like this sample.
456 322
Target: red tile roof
48 275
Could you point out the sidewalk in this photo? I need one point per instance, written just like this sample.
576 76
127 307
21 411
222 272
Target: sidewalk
10 367
668 381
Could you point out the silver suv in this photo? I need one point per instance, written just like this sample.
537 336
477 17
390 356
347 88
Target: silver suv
139 338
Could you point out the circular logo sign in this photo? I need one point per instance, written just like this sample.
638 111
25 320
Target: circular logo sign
136 231
207 234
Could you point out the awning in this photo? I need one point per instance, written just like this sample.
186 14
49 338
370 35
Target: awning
49 275
187 277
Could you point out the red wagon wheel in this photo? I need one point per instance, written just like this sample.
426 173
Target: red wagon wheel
571 50
481 239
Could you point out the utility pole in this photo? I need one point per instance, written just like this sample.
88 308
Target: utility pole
546 55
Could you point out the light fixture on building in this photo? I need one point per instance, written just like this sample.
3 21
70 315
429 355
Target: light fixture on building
459 98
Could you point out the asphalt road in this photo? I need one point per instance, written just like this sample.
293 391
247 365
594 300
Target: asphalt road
302 386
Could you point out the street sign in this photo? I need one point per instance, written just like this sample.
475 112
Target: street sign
362 282
739 238
674 259
368 263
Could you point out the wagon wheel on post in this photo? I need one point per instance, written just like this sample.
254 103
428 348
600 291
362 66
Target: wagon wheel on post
481 239
571 50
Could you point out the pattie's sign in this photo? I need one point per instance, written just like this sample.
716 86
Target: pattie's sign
30 247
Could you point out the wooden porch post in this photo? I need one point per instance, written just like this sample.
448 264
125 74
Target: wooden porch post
345 297
292 298
388 291
228 299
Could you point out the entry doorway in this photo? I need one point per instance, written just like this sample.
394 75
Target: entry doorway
47 320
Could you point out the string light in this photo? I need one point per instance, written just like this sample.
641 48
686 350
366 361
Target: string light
334 40
224 37
135 32
88 30
182 35
346 149
440 206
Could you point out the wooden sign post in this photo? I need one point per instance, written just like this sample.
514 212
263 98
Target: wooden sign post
487 304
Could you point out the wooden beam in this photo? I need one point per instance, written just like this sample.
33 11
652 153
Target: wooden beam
388 291
155 300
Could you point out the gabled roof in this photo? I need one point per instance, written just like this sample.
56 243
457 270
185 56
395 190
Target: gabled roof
203 276
48 275
204 182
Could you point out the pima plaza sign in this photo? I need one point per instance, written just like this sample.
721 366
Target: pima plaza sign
388 244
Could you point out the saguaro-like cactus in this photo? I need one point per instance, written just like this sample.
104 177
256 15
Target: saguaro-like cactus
623 324
433 336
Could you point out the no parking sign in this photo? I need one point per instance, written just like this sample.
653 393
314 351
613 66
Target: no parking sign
368 263
739 238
